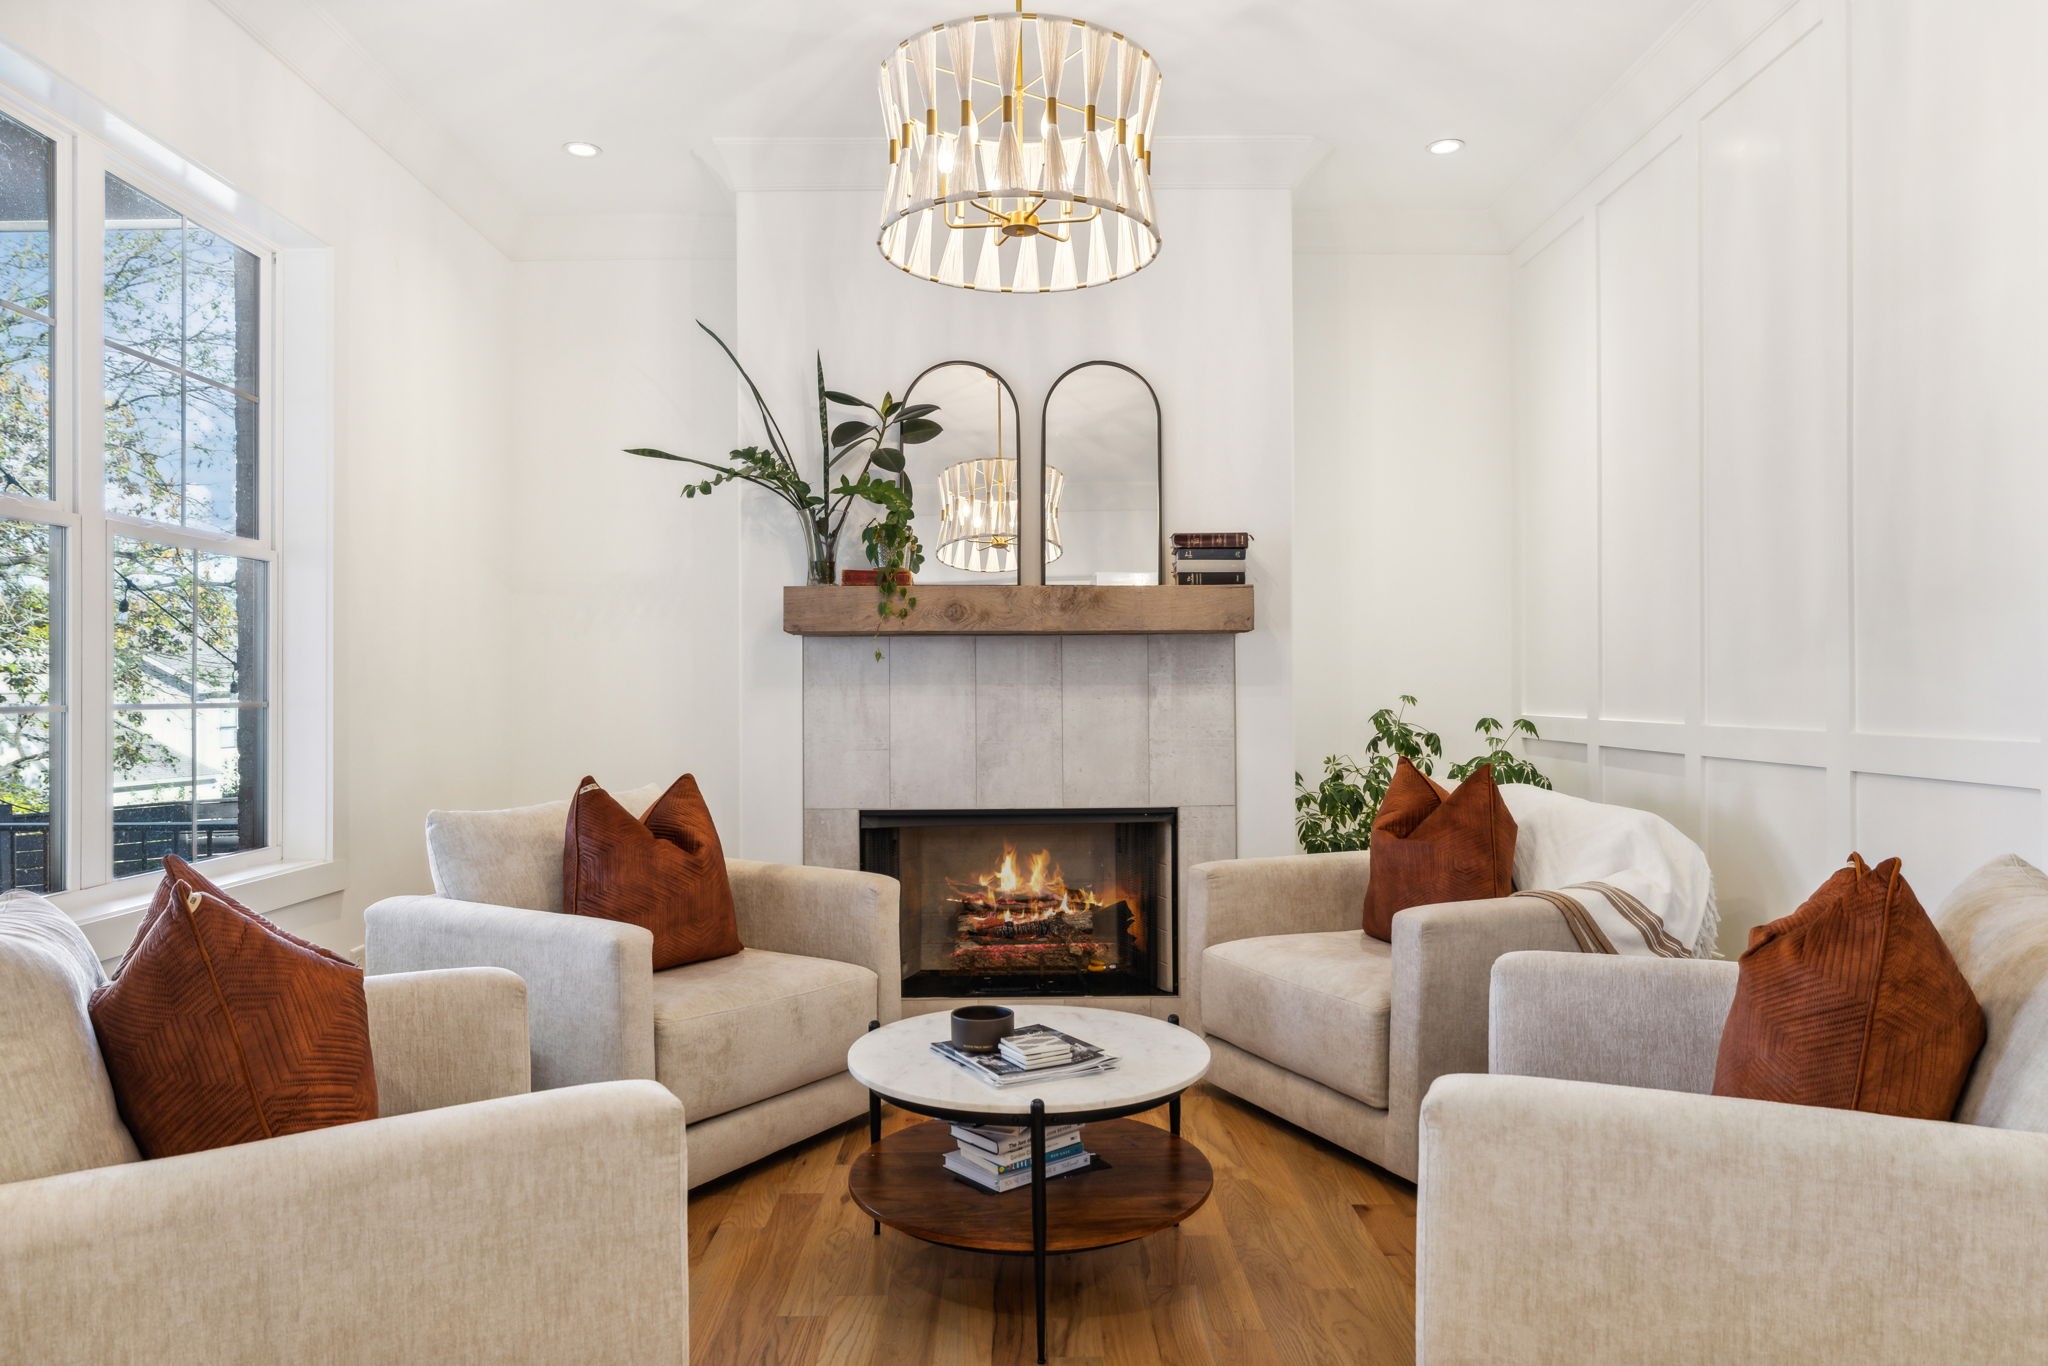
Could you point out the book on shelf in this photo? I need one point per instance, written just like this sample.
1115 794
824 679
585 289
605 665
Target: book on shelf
1211 540
1200 578
1208 552
1053 1157
998 1070
1004 1142
968 1170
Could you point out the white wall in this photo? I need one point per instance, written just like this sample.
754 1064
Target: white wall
1778 455
627 593
1402 510
1208 324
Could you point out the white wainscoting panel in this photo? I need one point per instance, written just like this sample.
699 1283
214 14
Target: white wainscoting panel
1814 288
1766 836
1557 480
1649 474
1942 832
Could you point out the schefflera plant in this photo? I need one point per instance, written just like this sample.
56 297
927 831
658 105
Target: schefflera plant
870 444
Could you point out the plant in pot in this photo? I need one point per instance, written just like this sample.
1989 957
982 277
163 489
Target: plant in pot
870 443
1337 813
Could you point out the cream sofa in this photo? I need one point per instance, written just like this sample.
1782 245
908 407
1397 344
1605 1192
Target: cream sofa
1568 1214
754 1045
472 1222
1340 1033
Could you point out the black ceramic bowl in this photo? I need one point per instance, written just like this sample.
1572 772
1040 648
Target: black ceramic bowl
978 1029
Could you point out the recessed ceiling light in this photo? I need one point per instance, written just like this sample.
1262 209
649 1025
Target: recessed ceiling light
1443 147
581 149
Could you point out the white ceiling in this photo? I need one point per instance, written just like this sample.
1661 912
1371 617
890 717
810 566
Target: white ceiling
477 96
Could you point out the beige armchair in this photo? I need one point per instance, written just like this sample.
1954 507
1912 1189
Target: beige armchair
472 1222
1593 1203
1309 1018
754 1045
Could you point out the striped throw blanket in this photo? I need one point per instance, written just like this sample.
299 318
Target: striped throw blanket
1625 881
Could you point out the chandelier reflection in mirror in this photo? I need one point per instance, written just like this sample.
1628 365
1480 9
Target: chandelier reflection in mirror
1020 154
978 502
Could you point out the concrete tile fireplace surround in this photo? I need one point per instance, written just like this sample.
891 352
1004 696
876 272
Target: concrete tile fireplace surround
1044 724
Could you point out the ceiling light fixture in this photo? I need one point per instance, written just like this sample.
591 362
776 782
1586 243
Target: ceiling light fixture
983 204
1443 147
581 149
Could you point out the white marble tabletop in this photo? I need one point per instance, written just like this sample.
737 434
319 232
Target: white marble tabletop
1158 1060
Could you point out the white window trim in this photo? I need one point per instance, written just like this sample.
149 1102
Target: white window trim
301 862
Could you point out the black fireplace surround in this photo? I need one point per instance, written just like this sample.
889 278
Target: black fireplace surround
1032 903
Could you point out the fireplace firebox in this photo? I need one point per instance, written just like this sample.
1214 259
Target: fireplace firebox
1031 903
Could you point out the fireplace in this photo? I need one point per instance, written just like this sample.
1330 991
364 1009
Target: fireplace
1031 903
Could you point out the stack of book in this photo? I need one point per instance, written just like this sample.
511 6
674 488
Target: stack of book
997 1157
1204 557
1033 1053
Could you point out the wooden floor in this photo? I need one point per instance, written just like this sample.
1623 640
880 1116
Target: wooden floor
1304 1255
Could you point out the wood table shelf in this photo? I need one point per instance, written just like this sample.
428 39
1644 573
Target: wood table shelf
1023 610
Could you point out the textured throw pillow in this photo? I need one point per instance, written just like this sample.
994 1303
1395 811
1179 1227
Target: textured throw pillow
1852 1002
664 871
176 872
220 1029
1431 846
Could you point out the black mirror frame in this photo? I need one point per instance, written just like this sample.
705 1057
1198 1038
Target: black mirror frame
1016 438
1159 459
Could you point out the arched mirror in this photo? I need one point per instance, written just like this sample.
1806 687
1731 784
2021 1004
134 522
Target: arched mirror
964 482
1102 459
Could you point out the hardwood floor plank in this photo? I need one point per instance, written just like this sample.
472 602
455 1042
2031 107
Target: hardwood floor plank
1303 1257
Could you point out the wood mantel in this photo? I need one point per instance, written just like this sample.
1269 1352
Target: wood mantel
1023 610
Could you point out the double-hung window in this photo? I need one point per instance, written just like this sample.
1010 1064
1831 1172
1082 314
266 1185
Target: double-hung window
137 544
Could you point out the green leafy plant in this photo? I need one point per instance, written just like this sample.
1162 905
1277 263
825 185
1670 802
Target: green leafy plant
1337 813
870 444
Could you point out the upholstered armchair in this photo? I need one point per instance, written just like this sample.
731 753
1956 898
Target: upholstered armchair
1593 1202
471 1222
1342 1034
754 1044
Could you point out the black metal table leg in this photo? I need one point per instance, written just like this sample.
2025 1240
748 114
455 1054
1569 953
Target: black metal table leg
1038 1218
875 1118
1173 1106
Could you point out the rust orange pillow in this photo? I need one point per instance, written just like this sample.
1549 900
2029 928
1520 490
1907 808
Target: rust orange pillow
177 871
1431 846
222 1029
664 871
1853 1002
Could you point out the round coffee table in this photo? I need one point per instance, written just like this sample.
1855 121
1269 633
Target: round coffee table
1145 1179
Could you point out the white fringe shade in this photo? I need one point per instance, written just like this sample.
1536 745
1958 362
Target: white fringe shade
1036 128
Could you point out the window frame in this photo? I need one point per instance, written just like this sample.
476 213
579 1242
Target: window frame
82 693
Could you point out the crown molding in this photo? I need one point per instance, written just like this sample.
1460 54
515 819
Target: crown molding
1367 230
750 165
1706 39
624 237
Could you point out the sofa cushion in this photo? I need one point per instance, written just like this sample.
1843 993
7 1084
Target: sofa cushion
221 1030
57 1111
731 1031
511 857
1430 846
1853 1001
1316 1004
664 872
1996 925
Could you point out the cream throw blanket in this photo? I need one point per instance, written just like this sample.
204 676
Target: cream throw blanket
1624 880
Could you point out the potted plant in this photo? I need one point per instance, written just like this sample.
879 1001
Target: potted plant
874 437
1337 813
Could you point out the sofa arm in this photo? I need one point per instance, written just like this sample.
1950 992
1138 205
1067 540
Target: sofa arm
1569 1222
546 1227
1443 966
1594 1017
589 981
1248 898
448 1038
832 913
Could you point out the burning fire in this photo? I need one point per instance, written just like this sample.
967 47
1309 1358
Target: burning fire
1036 904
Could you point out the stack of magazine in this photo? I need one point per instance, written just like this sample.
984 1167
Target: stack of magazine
1033 1053
997 1157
